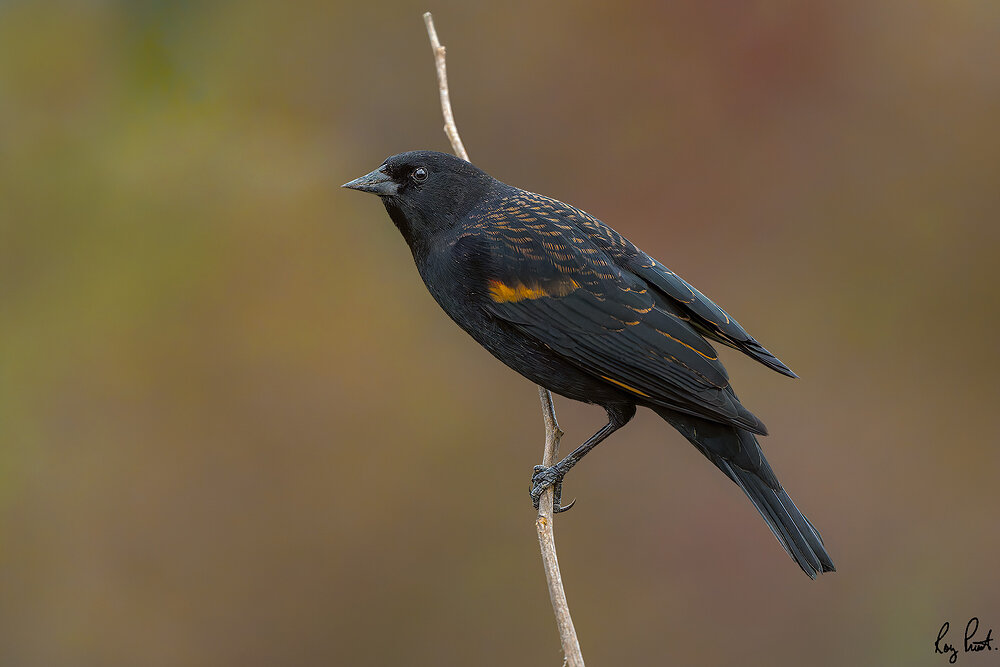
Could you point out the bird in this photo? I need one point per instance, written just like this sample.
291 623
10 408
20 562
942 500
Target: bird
572 305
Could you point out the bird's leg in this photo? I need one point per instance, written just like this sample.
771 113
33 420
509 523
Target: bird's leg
543 477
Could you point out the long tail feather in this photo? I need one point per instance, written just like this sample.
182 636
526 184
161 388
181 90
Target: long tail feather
737 453
792 529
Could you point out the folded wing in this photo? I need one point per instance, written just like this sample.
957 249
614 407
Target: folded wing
705 316
557 286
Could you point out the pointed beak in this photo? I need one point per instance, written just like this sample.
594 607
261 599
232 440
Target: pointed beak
378 182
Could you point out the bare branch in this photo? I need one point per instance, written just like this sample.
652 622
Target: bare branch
449 118
543 523
547 538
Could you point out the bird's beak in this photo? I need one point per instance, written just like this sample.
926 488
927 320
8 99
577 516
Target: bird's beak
378 182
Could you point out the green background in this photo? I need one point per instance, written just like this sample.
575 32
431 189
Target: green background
235 429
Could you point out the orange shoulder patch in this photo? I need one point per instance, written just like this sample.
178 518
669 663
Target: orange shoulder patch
501 292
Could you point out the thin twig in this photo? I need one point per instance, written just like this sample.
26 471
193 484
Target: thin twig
547 538
449 118
543 523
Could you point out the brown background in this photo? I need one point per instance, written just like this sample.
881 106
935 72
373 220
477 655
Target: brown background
235 430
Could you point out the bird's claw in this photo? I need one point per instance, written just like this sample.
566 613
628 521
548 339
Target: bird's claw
556 508
544 477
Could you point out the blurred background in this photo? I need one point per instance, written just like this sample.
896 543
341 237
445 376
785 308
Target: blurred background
235 429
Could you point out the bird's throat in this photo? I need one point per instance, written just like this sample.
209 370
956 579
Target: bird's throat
399 218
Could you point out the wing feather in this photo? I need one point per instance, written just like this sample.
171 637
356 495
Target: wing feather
571 296
706 317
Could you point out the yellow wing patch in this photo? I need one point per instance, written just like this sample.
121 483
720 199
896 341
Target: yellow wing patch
501 292
625 386
677 340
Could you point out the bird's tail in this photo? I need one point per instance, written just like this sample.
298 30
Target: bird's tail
736 452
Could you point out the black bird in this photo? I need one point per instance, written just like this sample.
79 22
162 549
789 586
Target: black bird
573 306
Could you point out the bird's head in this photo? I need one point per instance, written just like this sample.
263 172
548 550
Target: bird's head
425 191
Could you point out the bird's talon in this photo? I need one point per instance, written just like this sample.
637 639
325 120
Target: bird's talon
542 478
556 509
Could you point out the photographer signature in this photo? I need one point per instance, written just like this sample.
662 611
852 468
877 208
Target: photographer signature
971 644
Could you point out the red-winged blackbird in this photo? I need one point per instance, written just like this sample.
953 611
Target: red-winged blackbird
573 306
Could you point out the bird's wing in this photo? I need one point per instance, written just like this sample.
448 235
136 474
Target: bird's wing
706 317
557 286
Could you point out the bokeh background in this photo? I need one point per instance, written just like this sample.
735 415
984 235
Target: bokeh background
235 430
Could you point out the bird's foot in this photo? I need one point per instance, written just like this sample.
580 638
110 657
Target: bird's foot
543 478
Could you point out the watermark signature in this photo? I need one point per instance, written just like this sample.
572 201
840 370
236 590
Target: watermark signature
969 645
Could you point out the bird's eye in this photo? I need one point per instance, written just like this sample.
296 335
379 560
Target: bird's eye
419 174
